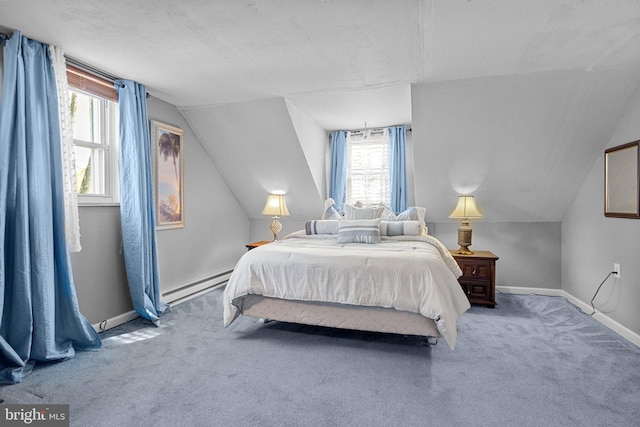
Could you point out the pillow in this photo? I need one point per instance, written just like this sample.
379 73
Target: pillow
413 213
321 227
352 212
363 231
331 210
401 228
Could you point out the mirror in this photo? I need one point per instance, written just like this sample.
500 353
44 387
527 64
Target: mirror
622 181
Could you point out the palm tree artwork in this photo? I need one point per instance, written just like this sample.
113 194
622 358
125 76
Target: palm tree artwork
169 185
169 145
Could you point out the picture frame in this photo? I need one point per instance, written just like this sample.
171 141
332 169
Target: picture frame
168 161
622 181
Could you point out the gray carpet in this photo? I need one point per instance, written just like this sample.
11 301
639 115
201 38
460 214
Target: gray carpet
531 361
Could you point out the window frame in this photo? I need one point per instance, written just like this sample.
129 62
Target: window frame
88 84
383 140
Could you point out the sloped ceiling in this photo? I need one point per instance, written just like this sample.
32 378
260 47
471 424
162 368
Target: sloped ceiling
255 147
511 99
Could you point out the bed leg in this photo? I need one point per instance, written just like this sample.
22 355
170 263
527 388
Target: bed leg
429 341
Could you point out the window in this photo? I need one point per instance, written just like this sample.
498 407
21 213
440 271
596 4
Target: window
94 119
367 177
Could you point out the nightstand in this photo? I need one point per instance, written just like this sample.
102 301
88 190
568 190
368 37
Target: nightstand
478 278
256 244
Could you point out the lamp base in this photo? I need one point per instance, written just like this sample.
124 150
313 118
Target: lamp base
275 227
464 250
464 238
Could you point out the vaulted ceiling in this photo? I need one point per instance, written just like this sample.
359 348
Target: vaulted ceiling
513 100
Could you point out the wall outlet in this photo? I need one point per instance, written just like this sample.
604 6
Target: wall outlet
616 270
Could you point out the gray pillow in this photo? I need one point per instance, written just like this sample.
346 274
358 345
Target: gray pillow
360 231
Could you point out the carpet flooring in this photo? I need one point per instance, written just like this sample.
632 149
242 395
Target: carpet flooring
531 361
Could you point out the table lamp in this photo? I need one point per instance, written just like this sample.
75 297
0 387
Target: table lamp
276 206
465 209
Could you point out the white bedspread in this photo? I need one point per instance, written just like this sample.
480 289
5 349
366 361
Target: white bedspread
415 274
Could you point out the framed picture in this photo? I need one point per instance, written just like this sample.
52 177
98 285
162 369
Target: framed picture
168 161
622 181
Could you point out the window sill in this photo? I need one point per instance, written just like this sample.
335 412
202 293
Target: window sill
97 204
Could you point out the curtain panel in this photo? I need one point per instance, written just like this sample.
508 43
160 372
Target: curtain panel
39 315
338 176
398 167
137 214
72 218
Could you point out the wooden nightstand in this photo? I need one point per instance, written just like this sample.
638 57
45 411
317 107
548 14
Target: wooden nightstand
256 244
478 278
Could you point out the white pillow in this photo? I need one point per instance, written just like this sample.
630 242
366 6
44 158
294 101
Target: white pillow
412 213
355 213
363 231
331 210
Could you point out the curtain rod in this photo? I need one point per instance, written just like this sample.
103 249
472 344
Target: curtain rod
373 129
93 70
78 64
90 69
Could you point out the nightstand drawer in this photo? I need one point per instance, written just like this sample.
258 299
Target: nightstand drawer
475 269
477 290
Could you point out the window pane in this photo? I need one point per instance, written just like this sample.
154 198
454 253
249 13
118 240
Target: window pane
85 117
368 168
90 170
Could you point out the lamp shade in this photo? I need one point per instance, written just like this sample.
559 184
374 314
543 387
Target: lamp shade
466 208
275 206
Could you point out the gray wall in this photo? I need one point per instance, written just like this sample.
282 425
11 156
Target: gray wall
216 229
98 270
592 243
529 252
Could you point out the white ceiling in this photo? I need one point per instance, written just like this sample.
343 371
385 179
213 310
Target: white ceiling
351 52
511 99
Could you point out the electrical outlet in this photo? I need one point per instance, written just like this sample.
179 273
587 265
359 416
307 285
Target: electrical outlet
616 270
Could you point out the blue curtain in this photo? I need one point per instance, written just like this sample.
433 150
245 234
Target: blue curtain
40 319
398 167
337 179
136 202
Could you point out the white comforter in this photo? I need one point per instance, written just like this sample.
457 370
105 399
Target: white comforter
416 274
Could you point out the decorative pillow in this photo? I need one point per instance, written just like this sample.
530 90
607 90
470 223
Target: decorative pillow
413 213
321 227
331 212
355 213
363 231
388 214
401 228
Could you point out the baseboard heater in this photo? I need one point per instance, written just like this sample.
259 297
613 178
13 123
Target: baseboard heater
172 297
194 289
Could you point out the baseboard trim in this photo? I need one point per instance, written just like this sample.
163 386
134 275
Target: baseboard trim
526 291
172 297
115 321
607 321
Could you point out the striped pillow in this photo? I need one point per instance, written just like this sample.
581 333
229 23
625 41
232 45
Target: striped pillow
362 231
401 228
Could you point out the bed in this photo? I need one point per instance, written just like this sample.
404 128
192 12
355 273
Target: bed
403 284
